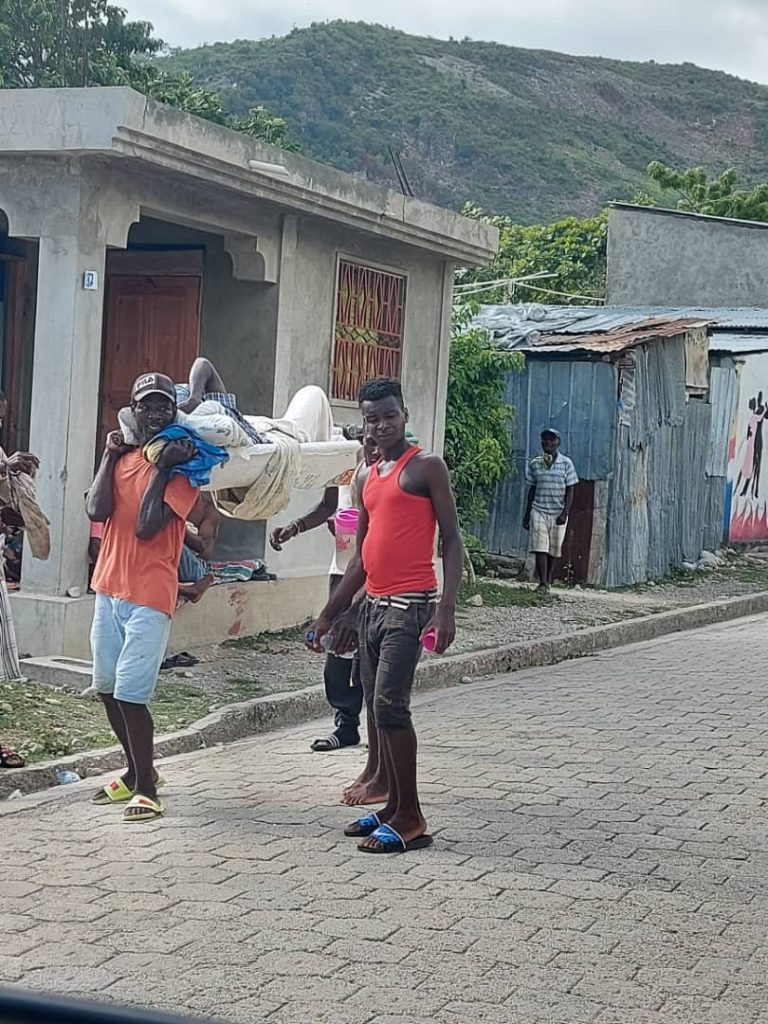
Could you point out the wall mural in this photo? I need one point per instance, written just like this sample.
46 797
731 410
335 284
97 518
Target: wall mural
747 498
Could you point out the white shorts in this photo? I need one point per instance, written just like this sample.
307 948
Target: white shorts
546 536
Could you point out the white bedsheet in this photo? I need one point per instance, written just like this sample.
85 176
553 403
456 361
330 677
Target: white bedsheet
320 463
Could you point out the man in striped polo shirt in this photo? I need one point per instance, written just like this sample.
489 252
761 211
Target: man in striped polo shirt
551 478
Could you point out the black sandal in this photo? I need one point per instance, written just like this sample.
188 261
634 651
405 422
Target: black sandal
332 742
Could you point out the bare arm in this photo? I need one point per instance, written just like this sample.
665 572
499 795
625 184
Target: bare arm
444 504
208 530
100 497
529 507
153 512
569 493
318 515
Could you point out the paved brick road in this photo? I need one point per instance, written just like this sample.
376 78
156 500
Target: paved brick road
601 855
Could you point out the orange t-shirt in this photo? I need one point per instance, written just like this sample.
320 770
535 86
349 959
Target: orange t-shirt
144 572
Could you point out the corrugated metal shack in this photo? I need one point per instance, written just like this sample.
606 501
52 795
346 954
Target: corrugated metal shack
645 421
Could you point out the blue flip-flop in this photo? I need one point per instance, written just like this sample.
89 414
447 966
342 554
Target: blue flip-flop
392 842
363 827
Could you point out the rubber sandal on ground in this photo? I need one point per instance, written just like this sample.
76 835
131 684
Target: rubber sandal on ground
392 842
141 808
332 742
363 827
181 660
116 792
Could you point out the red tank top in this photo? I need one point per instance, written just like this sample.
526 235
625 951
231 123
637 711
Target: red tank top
398 550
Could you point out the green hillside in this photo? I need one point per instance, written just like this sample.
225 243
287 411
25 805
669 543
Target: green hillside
531 133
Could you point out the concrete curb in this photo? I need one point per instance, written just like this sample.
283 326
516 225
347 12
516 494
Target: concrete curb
263 714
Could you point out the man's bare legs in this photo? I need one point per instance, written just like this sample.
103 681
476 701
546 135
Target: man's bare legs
204 379
403 810
371 786
542 569
131 737
141 739
117 723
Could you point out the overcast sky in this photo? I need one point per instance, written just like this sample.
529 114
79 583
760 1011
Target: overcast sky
728 34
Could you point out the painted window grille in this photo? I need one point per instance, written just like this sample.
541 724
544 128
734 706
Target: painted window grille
368 333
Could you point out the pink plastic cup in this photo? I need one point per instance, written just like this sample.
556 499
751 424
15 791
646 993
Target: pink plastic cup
429 641
346 521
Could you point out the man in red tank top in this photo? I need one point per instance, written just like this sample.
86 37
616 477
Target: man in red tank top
386 602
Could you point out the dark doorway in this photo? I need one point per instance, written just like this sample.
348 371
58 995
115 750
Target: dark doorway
574 567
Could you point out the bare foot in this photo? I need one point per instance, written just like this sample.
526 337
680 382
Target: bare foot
364 794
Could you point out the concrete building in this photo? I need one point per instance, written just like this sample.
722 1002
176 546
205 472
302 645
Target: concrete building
134 237
671 258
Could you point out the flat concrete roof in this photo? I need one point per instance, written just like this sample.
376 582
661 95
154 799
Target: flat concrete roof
119 123
665 211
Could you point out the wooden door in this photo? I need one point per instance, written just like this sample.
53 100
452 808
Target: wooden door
152 323
574 566
14 290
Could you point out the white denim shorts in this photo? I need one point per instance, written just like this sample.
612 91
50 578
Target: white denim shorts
128 643
546 536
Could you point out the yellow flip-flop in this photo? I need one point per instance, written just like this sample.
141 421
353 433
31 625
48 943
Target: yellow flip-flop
116 792
141 808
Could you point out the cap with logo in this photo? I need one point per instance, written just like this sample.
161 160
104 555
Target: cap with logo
153 384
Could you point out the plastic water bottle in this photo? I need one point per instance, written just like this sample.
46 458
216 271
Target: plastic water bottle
326 642
64 778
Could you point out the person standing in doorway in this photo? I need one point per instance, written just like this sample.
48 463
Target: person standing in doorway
406 496
145 508
552 478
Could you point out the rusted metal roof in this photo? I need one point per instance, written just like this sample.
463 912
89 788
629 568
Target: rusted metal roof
523 326
618 339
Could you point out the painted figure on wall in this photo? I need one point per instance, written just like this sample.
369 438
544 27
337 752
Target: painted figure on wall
747 497
748 448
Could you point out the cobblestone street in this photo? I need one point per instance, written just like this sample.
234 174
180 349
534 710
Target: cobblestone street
601 856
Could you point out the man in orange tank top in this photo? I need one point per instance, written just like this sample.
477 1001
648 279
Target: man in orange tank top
388 592
144 507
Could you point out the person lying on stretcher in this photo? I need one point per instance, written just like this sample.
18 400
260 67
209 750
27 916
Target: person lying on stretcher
205 406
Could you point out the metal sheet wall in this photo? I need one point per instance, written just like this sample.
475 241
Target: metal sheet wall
662 506
578 398
665 461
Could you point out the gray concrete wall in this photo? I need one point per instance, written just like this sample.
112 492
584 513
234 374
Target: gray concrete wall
305 341
312 320
664 258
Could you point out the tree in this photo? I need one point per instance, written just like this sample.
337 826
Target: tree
697 192
72 43
565 261
477 419
65 43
